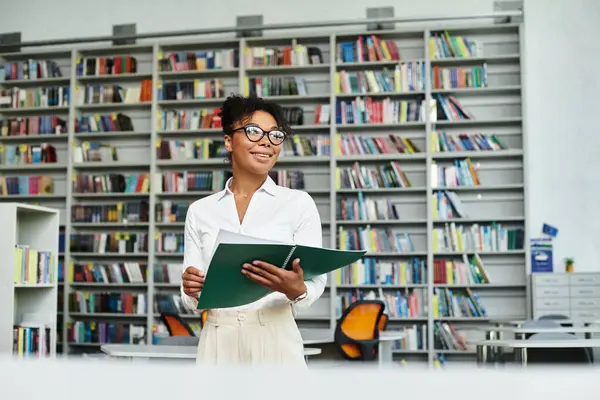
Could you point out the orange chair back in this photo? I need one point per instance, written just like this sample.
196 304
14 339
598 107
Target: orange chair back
203 318
359 328
383 322
175 325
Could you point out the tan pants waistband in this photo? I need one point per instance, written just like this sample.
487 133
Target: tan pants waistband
251 317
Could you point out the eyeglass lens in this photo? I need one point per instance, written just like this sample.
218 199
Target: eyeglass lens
254 134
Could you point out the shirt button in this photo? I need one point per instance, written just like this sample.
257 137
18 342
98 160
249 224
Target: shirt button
241 317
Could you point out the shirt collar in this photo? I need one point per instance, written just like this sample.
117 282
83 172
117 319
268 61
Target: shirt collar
268 186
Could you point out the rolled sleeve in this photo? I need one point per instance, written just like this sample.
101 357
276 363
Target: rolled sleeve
192 255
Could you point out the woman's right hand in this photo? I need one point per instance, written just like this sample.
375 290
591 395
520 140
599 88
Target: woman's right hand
193 281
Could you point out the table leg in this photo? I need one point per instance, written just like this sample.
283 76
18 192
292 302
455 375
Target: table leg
521 356
385 352
482 354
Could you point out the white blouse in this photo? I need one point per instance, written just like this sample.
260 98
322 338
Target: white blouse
274 213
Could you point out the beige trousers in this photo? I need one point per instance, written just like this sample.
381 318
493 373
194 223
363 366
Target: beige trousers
258 337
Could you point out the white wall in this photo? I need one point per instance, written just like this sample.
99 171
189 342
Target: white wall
561 87
561 81
42 19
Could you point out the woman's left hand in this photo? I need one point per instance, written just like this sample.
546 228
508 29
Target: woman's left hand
289 282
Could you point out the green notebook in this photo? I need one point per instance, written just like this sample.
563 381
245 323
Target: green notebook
225 285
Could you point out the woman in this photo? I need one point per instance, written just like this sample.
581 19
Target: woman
263 332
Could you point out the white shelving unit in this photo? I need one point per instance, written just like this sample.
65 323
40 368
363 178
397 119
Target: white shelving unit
500 198
28 302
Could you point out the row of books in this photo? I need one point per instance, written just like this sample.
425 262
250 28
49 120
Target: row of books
26 185
120 212
112 94
172 61
468 272
111 183
198 149
477 238
170 303
374 240
33 126
446 205
185 181
168 273
446 142
113 122
191 90
94 152
459 77
348 144
405 303
263 86
381 111
358 176
101 66
405 77
168 211
130 272
102 302
300 146
25 154
31 340
110 242
371 271
94 332
462 173
169 242
294 55
33 266
367 48
361 209
171 120
443 45
460 303
29 70
52 96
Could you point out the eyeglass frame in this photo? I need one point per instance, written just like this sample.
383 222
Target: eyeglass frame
264 132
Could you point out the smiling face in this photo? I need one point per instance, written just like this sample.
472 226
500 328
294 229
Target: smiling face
256 158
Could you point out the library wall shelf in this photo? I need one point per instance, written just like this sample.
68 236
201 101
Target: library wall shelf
409 141
28 284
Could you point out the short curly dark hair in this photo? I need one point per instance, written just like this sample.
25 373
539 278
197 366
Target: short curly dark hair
238 108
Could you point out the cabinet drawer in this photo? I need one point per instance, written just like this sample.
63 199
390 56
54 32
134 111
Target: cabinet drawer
551 291
550 279
584 279
584 304
551 304
586 315
585 291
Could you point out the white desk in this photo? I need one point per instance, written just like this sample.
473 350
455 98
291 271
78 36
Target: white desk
522 345
519 322
521 332
386 342
310 336
145 351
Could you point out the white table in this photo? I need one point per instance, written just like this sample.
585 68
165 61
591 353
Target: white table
519 322
310 337
145 351
521 346
521 332
386 344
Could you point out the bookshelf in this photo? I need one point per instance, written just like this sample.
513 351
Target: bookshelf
28 280
468 149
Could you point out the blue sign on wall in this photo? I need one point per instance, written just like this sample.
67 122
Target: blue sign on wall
541 255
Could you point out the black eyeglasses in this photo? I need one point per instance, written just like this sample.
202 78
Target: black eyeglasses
255 134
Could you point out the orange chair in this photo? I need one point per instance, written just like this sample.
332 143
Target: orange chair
203 318
175 325
357 332
383 322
